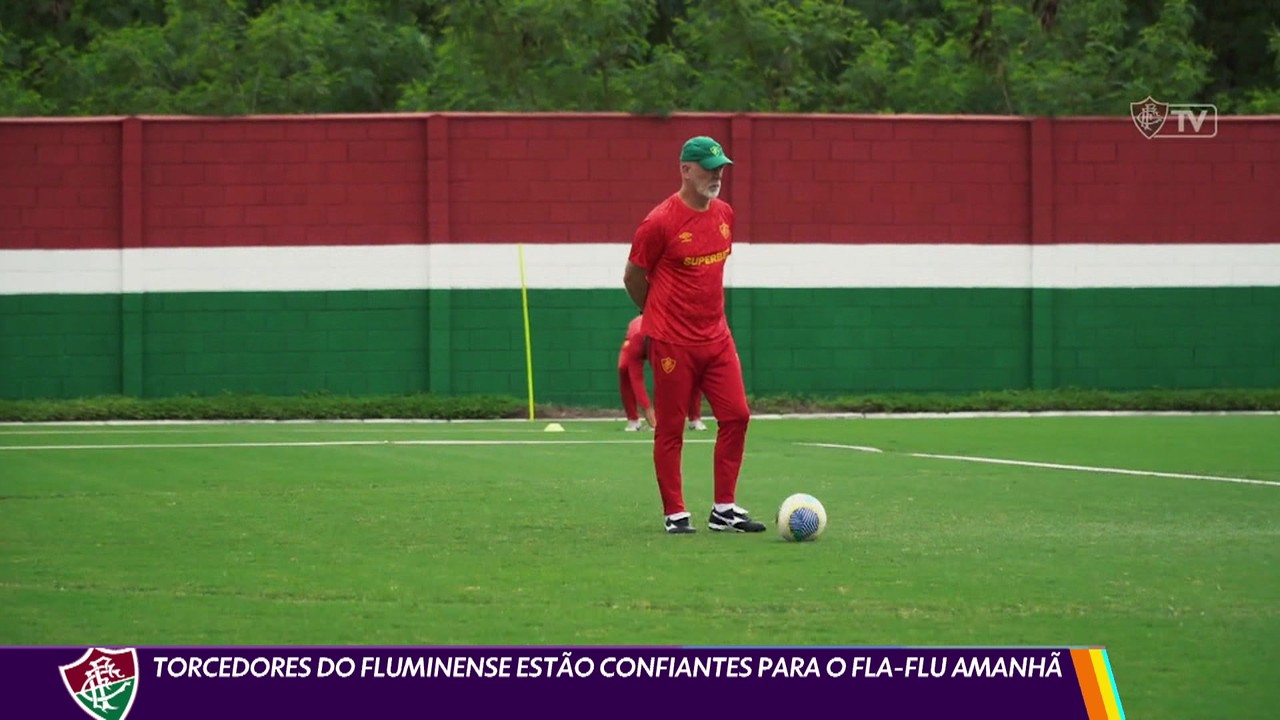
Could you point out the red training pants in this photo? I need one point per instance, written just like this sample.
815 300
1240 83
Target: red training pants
678 372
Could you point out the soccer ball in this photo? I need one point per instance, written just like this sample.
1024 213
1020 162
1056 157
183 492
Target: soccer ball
801 517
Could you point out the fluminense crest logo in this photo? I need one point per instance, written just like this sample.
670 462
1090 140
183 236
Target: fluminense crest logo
1149 115
1195 120
104 683
668 365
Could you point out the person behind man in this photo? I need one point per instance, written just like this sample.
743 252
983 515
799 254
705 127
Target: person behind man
631 377
675 275
635 399
695 411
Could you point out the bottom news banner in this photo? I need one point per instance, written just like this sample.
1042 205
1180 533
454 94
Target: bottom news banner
150 683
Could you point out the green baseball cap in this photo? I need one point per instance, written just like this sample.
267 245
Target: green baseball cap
704 151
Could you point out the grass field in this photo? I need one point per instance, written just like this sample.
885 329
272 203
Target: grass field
500 533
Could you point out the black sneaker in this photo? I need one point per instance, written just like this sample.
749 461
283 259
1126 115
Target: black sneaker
735 519
680 526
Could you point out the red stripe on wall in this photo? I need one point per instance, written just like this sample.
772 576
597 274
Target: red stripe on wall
891 180
1112 182
565 179
60 184
557 178
284 182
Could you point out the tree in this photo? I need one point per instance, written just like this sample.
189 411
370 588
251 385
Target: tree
534 55
770 56
344 58
16 95
212 57
648 56
1095 62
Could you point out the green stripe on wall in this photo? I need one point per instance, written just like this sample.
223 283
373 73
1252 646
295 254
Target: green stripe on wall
60 346
358 343
816 341
1167 337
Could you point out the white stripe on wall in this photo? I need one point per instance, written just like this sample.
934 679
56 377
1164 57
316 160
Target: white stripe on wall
600 265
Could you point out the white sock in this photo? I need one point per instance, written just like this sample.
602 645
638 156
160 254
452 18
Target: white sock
678 516
722 507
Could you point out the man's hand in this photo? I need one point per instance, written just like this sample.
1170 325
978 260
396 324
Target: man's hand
651 417
636 280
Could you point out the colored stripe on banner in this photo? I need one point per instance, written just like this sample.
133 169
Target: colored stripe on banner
1097 684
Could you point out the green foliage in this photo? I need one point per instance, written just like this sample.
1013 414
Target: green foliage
521 55
322 406
924 68
16 95
1257 100
1065 400
259 407
227 57
299 56
1062 400
214 57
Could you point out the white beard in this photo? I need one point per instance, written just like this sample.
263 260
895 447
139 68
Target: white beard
711 191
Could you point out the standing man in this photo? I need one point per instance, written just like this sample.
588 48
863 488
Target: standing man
675 275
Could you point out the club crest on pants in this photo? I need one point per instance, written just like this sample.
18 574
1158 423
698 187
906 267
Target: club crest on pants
668 364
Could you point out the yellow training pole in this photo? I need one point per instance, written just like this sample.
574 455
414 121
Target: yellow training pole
528 346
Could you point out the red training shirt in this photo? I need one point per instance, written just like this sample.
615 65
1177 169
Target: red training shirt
684 252
631 359
632 352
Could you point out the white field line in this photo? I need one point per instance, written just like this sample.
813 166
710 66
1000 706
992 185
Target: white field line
27 427
173 430
349 422
329 443
1059 466
1012 414
859 448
